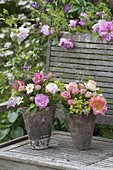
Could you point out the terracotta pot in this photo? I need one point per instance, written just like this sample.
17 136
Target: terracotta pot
39 127
81 129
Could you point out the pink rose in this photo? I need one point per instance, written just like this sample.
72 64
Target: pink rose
83 91
66 95
88 94
98 105
46 30
66 43
38 78
71 86
41 101
75 91
37 87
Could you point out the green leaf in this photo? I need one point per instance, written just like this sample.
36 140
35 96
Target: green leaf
15 133
5 12
3 133
33 111
12 116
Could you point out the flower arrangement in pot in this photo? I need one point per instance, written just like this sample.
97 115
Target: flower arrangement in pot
82 102
37 96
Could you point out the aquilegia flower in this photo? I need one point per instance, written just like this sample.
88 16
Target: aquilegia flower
67 8
98 105
41 101
34 5
73 23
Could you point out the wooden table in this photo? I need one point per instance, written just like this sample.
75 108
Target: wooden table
17 155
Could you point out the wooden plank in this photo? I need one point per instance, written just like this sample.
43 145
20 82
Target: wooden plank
81 72
83 61
48 56
87 66
83 50
68 54
61 155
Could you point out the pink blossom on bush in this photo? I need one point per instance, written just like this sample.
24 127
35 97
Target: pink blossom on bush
38 78
18 85
66 43
104 29
83 14
82 22
73 23
66 95
46 30
98 105
41 101
71 101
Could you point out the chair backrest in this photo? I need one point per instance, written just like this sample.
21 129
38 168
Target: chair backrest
90 57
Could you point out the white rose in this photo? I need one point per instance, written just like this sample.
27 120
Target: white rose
51 88
91 85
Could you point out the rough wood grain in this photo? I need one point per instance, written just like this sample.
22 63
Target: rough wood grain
59 156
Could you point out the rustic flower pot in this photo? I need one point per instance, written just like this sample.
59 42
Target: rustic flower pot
39 127
81 128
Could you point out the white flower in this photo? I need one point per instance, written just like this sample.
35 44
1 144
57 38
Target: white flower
52 88
19 100
29 88
91 85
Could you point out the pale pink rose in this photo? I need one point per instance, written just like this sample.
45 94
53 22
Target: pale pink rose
88 94
51 88
38 78
73 23
83 91
66 95
98 105
71 86
37 87
75 91
81 86
91 85
71 101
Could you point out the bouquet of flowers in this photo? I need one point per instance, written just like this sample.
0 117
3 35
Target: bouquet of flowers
35 92
83 98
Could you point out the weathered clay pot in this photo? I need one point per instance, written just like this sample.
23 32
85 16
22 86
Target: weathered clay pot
39 127
81 129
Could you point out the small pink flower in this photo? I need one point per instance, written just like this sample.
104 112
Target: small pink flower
98 14
82 22
75 91
88 94
98 105
73 23
83 91
81 86
71 86
71 101
66 95
38 78
37 87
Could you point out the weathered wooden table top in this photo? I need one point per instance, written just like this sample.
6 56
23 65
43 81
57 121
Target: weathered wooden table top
59 156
